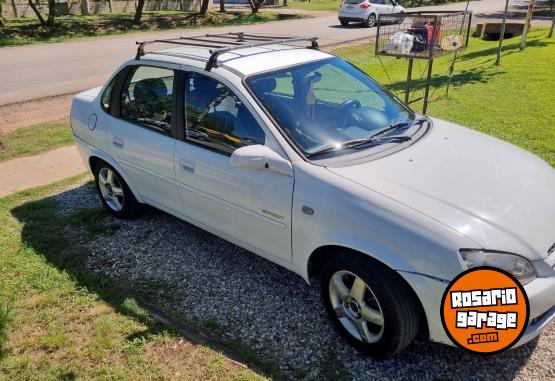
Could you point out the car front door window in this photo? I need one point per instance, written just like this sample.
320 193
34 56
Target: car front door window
216 117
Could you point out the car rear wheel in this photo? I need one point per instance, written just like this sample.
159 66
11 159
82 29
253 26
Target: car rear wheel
114 192
343 22
370 21
370 305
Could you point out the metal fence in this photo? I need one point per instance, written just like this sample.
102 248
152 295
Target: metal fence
425 35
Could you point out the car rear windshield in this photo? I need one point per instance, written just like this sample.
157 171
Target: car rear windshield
353 1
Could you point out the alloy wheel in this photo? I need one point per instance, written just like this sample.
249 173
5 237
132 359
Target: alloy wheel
111 189
356 306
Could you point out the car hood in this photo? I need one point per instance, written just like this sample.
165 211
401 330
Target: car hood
498 195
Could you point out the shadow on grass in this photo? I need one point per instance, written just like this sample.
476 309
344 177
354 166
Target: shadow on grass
509 46
465 77
80 26
60 239
280 337
478 74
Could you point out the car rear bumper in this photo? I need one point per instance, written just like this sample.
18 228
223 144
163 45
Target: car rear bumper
351 19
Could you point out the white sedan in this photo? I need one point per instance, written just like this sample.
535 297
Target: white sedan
301 158
366 11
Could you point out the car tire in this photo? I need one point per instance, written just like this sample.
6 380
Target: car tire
114 192
370 21
343 22
380 319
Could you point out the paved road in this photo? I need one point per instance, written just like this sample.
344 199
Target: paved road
37 71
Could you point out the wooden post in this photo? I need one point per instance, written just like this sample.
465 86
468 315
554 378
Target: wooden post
527 23
409 78
498 60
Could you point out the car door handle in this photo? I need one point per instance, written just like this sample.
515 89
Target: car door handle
187 165
118 142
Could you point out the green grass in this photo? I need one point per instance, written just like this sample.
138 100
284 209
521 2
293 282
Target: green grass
333 5
59 321
28 30
315 5
514 101
35 139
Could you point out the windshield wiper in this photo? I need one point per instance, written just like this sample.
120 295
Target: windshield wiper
374 138
360 142
396 126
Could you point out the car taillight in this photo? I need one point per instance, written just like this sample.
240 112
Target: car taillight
365 5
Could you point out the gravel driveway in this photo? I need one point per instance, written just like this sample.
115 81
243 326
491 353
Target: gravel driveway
272 310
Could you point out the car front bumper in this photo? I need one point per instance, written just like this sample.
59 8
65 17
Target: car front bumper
540 292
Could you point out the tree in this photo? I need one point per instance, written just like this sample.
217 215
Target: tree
222 6
284 3
204 6
51 12
37 13
84 7
139 12
256 5
14 7
1 18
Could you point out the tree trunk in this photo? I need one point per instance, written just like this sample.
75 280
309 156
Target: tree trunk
284 3
14 6
51 12
110 5
84 7
498 59
37 13
527 23
204 6
551 30
256 5
139 12
222 6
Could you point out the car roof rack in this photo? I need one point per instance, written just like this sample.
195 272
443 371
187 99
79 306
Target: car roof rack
224 42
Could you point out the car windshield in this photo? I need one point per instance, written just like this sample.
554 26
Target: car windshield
327 103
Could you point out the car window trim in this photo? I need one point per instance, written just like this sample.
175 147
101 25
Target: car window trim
116 108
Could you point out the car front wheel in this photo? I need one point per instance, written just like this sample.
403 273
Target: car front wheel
114 192
370 305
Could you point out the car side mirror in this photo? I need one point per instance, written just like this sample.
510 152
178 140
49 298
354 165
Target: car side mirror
262 158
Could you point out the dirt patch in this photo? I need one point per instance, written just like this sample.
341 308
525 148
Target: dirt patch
24 114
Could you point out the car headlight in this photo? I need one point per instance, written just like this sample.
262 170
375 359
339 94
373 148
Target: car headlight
514 264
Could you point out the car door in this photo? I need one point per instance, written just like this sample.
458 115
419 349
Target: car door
141 133
252 207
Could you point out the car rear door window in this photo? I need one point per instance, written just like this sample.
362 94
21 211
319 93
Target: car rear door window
216 117
146 97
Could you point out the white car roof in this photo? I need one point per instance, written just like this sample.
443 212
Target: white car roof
244 61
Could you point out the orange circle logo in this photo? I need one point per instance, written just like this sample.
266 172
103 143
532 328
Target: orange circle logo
485 310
